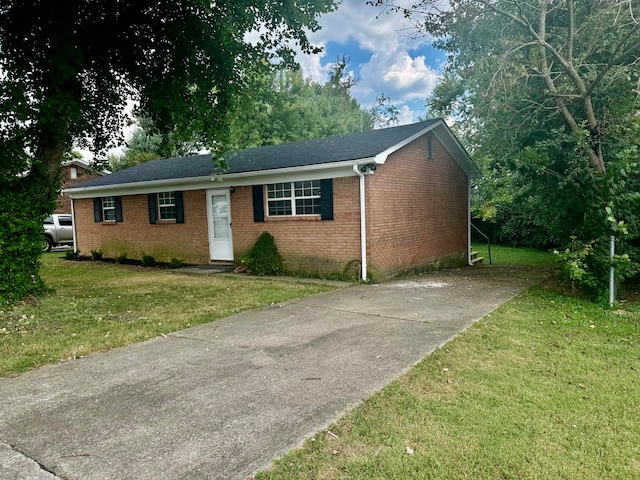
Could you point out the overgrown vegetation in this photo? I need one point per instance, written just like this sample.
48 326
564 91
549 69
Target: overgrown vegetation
97 306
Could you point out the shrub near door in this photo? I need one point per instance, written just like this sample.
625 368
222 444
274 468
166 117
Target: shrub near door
264 258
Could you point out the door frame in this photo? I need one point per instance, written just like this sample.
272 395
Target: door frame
217 254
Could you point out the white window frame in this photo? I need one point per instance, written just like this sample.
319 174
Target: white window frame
167 204
286 192
108 209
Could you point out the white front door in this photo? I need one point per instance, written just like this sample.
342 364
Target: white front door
219 215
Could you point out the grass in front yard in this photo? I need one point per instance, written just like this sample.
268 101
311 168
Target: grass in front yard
503 255
546 387
98 306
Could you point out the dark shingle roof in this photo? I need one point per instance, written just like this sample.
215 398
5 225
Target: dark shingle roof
299 154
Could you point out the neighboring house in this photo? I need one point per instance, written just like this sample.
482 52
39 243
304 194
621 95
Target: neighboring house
383 201
73 172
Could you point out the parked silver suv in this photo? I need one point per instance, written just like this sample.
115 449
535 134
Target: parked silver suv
58 230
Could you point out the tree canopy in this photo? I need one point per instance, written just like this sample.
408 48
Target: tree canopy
67 69
285 107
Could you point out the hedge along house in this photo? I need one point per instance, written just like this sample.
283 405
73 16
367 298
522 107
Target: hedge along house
382 202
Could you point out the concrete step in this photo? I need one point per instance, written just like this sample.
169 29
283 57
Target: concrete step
476 259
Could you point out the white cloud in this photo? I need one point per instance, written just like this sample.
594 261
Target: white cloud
407 115
393 68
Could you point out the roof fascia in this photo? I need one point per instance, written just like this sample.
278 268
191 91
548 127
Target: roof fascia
448 140
86 165
381 157
313 172
457 150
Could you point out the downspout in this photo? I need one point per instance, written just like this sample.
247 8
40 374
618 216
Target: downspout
363 225
73 226
469 223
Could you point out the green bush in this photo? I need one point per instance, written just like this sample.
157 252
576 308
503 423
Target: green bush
24 205
175 263
72 254
587 266
264 258
122 258
148 260
96 254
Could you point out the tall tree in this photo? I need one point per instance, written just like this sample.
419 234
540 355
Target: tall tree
67 69
285 106
148 143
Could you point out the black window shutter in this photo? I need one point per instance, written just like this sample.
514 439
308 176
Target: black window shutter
118 209
97 210
258 203
179 207
152 208
326 199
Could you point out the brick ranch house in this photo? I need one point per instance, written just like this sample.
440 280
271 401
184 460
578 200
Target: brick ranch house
381 202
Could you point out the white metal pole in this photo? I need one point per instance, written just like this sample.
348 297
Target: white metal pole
612 251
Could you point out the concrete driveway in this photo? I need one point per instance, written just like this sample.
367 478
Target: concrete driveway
225 399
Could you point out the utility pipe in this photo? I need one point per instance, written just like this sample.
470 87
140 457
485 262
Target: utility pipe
73 226
363 225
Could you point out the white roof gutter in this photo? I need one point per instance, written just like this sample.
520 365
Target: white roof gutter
312 172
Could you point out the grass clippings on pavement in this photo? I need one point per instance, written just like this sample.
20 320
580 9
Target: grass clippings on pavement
97 306
545 387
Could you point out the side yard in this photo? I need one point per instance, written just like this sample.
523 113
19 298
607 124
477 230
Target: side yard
97 306
546 387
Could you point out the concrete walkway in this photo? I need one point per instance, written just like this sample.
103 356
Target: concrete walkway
223 400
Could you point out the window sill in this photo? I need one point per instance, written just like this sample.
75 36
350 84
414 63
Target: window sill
109 222
164 222
309 218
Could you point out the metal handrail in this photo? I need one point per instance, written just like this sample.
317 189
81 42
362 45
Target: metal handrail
487 238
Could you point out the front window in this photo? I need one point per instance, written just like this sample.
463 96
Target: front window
109 209
293 198
167 206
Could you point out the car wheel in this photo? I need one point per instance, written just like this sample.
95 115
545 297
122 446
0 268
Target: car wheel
47 244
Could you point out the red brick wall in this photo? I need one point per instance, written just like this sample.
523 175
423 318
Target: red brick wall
416 209
188 241
64 202
306 243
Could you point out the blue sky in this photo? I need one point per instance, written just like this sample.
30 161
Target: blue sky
385 56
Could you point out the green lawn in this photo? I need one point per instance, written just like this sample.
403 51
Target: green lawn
546 387
97 306
502 255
